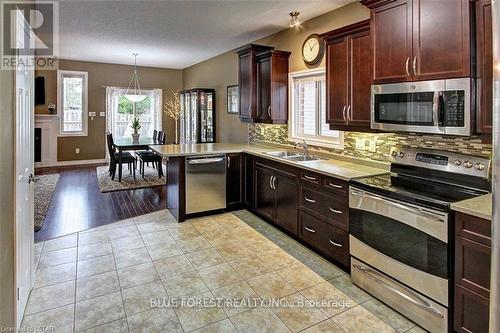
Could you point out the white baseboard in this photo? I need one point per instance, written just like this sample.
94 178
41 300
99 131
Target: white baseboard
76 162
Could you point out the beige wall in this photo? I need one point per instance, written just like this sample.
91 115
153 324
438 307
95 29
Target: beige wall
218 73
99 76
7 198
221 71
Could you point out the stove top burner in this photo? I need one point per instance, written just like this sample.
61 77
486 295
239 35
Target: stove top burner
428 193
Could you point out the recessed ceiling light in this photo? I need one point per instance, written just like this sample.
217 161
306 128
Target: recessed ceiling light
294 19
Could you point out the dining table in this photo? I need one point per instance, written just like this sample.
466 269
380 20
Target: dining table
127 143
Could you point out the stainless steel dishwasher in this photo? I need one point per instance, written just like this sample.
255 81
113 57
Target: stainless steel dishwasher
205 183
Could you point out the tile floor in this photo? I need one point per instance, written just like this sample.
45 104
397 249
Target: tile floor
108 279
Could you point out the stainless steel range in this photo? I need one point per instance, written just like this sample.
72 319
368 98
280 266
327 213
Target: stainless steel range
401 230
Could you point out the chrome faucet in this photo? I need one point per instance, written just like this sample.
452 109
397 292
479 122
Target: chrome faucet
302 145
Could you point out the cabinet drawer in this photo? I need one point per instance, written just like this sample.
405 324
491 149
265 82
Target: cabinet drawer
473 228
311 178
472 265
471 311
330 240
325 207
340 188
283 169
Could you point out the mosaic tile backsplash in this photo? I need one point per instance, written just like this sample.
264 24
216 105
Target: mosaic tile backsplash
384 142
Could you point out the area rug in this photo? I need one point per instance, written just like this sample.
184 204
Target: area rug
106 184
43 192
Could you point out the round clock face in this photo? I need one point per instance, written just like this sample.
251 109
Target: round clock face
312 50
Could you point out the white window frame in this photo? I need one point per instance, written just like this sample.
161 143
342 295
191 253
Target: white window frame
60 106
293 134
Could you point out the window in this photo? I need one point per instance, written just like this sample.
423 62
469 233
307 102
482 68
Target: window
72 102
308 109
120 112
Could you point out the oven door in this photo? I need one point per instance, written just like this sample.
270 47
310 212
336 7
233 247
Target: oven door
407 242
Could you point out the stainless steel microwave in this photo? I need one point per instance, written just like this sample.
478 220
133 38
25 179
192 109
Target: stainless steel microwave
435 107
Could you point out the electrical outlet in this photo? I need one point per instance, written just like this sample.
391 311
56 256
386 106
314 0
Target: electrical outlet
102 114
77 150
372 145
360 144
262 130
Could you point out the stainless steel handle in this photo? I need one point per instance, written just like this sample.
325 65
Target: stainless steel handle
333 210
343 111
335 243
274 182
414 210
407 69
269 111
348 112
309 229
206 161
414 66
271 182
309 200
228 162
309 177
416 300
334 185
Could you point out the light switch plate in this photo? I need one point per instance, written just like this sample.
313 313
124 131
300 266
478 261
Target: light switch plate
372 145
102 114
360 144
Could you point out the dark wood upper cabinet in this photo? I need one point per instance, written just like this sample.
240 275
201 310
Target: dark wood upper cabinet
247 80
272 87
348 77
263 84
392 41
416 40
484 69
441 39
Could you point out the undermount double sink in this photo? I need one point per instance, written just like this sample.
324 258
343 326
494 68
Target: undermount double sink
293 156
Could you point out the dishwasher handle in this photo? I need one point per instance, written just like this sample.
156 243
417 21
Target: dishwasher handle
206 160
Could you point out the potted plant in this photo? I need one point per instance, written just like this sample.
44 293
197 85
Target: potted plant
136 126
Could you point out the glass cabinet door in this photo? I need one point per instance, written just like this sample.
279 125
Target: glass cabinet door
203 116
193 138
210 118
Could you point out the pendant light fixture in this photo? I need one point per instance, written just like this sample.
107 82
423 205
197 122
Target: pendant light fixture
135 95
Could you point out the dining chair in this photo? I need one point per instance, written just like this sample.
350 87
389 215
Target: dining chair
145 157
114 158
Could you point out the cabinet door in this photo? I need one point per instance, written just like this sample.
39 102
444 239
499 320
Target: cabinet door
337 76
441 39
264 193
234 180
264 89
286 203
392 41
484 59
245 78
360 80
471 311
249 180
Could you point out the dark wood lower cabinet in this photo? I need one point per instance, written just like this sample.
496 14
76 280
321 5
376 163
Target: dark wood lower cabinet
249 180
286 203
472 274
234 180
265 198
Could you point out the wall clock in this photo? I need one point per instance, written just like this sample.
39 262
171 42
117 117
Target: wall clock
313 50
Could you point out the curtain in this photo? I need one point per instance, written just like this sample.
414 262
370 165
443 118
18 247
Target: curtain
112 94
158 109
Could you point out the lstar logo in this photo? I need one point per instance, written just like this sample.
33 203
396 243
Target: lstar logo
29 36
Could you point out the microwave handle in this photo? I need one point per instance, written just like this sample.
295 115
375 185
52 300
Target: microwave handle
440 107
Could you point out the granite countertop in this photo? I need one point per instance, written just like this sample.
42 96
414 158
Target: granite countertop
342 169
480 206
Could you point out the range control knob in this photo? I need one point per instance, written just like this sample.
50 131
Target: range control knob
401 154
468 164
458 162
394 153
480 166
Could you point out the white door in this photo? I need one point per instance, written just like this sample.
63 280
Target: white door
24 230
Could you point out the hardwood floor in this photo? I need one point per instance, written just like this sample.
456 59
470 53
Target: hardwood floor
78 205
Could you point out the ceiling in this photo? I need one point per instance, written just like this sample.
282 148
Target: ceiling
172 34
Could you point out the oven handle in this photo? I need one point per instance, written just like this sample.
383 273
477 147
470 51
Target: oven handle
421 303
412 209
